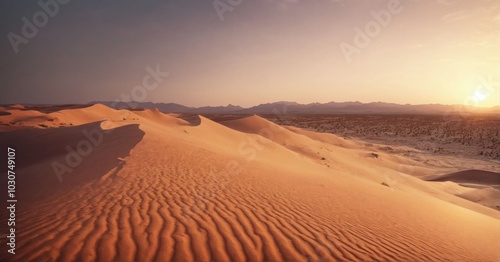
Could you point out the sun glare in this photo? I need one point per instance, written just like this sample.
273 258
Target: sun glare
479 96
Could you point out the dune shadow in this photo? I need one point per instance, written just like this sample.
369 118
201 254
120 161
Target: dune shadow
192 119
479 177
49 161
229 117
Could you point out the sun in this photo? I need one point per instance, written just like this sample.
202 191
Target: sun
479 96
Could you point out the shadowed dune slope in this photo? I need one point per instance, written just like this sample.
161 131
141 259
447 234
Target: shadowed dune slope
479 177
78 154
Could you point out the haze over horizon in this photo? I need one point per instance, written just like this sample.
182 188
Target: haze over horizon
136 104
285 101
440 51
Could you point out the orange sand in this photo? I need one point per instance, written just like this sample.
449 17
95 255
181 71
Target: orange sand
159 188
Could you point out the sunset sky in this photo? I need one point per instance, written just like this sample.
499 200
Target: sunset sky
435 51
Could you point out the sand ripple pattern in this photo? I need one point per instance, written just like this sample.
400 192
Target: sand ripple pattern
161 205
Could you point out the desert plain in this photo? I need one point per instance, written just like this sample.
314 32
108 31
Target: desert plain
99 184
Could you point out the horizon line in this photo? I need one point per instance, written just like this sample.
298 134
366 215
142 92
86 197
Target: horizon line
243 107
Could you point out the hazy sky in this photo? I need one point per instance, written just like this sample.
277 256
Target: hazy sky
435 51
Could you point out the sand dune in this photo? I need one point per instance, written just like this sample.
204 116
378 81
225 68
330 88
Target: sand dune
479 186
160 188
486 196
480 177
38 149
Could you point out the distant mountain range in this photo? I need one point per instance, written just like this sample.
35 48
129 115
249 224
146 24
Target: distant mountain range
313 108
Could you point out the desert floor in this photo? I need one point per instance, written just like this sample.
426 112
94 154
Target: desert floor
98 184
